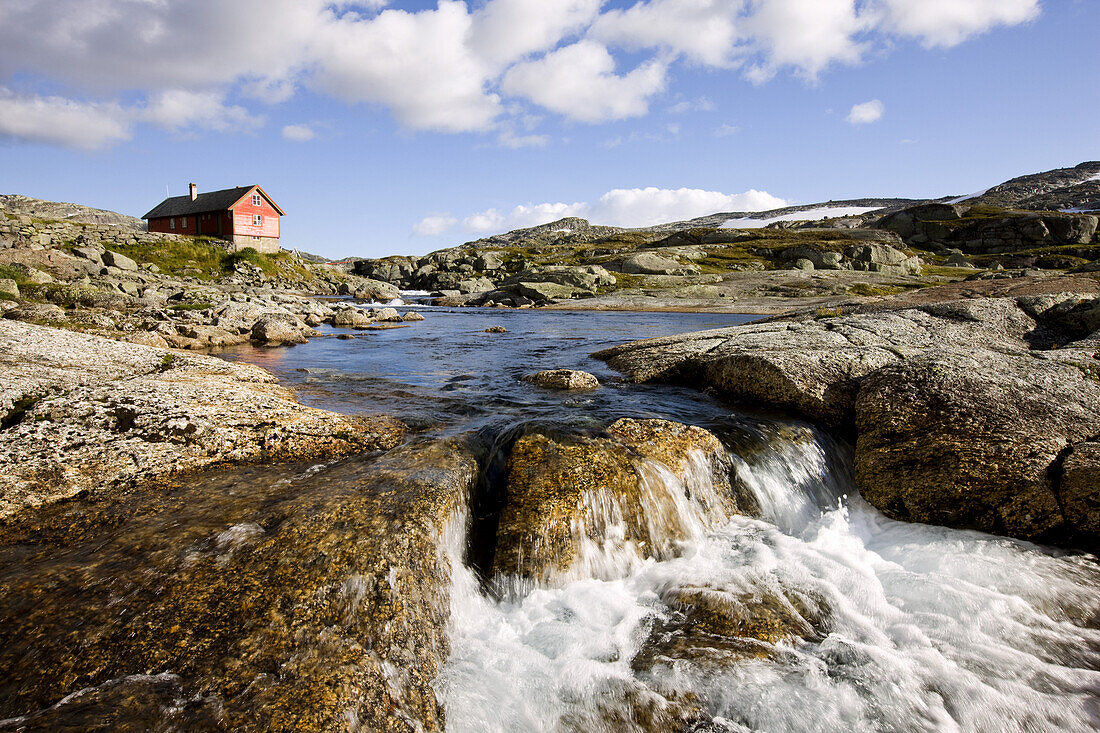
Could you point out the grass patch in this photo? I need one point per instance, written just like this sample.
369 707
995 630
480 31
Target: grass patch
195 257
7 272
7 296
166 362
868 290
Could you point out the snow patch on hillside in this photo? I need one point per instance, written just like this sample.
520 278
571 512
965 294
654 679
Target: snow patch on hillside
808 215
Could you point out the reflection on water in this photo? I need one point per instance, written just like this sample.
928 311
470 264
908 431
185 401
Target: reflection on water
446 373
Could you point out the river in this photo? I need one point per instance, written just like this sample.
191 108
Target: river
926 628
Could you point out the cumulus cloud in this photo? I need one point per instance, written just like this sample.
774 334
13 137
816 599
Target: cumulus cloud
504 31
625 207
299 133
639 207
450 67
60 121
950 22
866 112
808 35
579 81
177 109
433 225
704 31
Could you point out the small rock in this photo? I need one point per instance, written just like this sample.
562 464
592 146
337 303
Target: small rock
412 316
568 379
9 287
495 329
122 262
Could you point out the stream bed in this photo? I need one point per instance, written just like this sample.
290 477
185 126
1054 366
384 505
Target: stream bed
896 626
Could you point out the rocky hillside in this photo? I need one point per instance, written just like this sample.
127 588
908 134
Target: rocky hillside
899 243
1056 190
14 205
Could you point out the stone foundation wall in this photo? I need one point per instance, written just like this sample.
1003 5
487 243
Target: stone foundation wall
24 231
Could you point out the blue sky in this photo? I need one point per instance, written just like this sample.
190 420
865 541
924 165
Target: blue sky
406 127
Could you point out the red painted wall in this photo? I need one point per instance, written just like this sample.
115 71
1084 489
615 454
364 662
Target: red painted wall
243 217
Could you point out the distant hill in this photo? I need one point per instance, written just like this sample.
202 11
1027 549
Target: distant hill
39 209
1061 189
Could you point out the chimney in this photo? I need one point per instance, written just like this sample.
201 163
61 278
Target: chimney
194 191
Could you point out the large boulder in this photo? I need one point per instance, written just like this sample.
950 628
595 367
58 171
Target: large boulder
968 438
274 329
581 278
648 263
594 506
310 600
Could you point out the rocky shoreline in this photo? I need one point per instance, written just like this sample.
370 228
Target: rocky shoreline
974 414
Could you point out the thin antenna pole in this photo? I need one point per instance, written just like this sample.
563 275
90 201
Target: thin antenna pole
166 194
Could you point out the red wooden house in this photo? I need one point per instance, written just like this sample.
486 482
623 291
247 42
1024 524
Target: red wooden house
245 216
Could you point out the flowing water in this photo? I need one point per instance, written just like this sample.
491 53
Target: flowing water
917 627
816 613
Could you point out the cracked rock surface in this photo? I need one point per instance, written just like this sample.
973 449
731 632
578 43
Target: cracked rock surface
79 412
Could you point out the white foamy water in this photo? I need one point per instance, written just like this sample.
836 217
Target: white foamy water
924 628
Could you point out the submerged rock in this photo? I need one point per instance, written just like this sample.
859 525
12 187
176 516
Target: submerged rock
566 379
313 600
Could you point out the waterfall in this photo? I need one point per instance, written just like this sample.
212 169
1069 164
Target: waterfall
818 614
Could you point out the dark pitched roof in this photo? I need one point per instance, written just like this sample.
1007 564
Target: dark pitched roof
203 203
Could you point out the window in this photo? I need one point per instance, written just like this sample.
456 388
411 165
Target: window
256 201
257 220
255 239
172 223
183 223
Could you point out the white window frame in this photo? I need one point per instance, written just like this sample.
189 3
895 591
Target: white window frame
172 223
257 200
257 220
183 222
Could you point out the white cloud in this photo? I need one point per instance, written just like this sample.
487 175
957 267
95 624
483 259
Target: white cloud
808 35
950 22
704 31
177 109
505 31
299 133
417 64
726 129
60 121
448 68
579 81
509 139
637 207
699 104
866 112
625 207
434 225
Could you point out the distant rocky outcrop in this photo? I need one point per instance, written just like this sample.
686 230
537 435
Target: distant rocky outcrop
963 413
1053 190
17 205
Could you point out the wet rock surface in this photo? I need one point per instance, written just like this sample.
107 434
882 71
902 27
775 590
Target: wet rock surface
593 505
298 598
961 411
80 412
